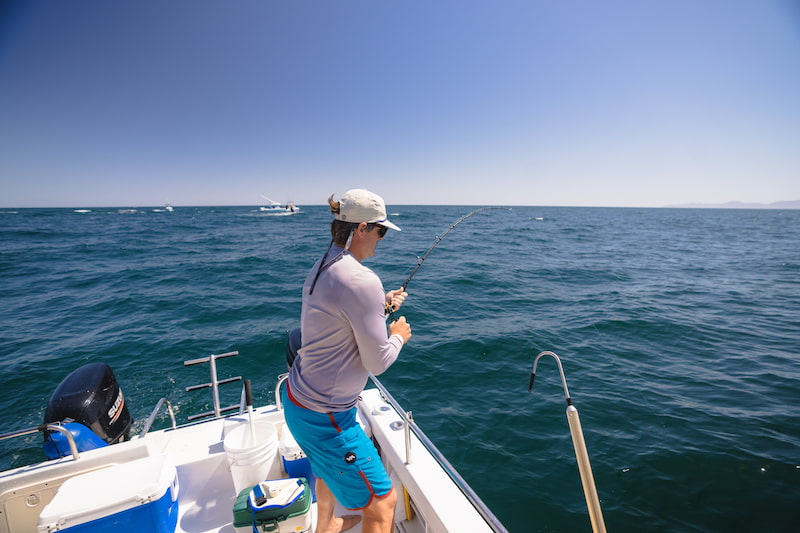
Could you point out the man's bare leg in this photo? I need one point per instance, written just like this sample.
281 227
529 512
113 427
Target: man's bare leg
326 522
379 514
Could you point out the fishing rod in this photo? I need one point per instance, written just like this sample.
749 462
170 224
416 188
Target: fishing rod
390 308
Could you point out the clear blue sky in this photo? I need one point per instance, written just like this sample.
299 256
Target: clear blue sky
614 103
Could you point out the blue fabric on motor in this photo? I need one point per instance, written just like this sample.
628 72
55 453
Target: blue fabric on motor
57 444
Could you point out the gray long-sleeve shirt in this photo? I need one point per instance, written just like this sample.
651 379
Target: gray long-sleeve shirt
344 335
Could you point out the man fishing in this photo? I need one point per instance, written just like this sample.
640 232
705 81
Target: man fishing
344 339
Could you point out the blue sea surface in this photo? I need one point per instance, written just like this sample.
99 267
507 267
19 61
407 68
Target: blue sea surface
678 329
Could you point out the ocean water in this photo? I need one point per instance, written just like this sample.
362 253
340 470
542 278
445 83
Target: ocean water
678 329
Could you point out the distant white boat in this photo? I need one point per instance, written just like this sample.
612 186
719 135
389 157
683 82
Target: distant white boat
168 207
277 208
83 210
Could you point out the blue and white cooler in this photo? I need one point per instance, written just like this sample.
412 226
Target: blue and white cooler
295 462
141 495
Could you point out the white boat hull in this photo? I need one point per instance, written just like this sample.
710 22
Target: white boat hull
429 500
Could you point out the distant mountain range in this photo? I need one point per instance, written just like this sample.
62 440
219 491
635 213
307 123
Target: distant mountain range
795 204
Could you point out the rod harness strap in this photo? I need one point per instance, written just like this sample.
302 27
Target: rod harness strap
323 265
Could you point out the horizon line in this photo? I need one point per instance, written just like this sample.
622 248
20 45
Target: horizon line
785 204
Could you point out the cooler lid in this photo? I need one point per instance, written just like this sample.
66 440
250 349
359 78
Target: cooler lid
108 491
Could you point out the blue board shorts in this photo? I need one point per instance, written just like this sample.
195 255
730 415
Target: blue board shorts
340 453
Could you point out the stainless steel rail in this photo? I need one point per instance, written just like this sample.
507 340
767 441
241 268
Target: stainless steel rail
214 384
278 401
73 448
152 416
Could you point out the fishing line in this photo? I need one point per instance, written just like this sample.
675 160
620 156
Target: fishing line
390 308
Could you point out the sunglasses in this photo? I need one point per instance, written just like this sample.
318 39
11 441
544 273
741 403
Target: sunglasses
381 229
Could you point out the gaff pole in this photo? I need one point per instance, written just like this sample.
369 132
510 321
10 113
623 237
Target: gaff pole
582 456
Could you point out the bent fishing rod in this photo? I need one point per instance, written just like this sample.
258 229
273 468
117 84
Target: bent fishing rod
390 308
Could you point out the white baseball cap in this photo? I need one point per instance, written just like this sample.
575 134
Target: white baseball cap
360 205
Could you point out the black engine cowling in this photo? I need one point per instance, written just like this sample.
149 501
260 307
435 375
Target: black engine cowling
91 396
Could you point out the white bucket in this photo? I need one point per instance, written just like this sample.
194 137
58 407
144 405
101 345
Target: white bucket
251 462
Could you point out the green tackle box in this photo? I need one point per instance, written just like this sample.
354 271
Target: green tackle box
279 505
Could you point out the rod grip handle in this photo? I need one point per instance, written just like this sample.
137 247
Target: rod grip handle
248 393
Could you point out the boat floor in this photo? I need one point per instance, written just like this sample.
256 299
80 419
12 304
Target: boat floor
207 493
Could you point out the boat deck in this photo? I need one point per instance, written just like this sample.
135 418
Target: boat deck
428 499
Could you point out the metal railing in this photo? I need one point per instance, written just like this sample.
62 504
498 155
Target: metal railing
214 384
73 448
278 401
152 416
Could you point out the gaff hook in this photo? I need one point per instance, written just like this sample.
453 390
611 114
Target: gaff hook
560 371
584 467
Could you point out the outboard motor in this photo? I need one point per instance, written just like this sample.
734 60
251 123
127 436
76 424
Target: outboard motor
89 396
